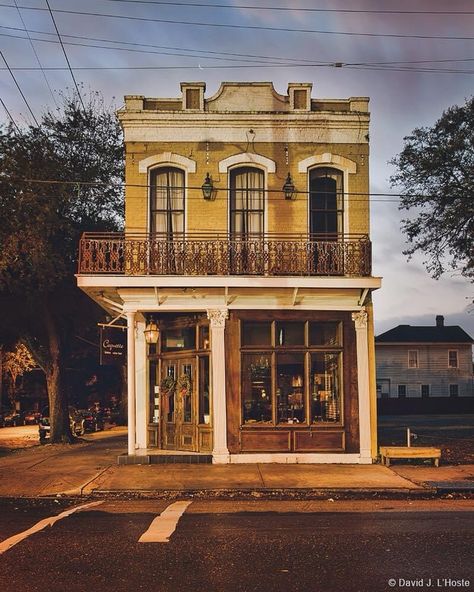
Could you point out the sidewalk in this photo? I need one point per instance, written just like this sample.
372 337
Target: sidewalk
90 468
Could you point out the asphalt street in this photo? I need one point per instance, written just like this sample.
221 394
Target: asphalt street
322 546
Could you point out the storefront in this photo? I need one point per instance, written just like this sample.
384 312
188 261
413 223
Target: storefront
290 384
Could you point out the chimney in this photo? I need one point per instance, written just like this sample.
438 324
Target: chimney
439 321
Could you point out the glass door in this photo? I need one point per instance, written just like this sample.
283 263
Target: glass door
179 404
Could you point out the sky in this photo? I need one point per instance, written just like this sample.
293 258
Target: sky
166 52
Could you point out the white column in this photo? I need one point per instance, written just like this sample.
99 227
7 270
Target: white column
141 410
131 382
220 453
362 346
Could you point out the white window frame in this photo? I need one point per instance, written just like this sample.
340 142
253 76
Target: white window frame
429 390
417 362
451 351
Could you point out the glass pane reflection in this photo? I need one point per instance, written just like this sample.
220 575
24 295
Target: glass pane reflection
325 387
257 388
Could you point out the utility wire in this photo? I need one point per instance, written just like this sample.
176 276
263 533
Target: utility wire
65 55
10 115
247 66
19 88
198 187
214 53
36 55
245 27
293 9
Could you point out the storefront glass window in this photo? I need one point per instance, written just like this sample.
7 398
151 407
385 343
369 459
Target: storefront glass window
169 388
257 388
186 388
325 388
179 339
204 399
289 333
290 390
204 337
324 334
256 333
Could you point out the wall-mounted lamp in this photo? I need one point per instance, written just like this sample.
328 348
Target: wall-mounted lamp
151 332
207 187
289 190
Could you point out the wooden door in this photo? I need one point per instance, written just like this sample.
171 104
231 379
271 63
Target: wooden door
180 406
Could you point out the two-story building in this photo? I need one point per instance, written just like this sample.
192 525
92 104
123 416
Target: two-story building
244 275
424 368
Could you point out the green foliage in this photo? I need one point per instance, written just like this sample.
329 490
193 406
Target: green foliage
42 221
436 173
57 180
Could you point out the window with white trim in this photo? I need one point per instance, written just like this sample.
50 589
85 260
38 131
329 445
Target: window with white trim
326 202
167 201
247 201
412 358
453 390
453 361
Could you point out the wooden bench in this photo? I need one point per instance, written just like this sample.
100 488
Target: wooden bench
388 452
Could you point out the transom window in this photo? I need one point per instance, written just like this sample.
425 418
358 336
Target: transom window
291 372
247 201
326 202
167 201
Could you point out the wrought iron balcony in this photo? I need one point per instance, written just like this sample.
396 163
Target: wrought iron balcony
224 254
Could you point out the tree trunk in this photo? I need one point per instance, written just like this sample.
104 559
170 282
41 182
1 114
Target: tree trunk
58 401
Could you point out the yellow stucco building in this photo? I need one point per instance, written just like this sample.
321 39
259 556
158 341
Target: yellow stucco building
246 245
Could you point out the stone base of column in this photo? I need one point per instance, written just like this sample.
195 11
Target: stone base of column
366 457
220 457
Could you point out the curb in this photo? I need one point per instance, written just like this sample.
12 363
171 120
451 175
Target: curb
266 494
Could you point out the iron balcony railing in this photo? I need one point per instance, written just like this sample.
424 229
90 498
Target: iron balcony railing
225 254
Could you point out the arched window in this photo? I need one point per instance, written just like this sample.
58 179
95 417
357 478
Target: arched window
326 202
247 201
167 201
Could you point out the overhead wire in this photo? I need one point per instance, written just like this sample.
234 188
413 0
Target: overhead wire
36 54
293 8
65 55
18 87
219 54
358 194
10 115
246 27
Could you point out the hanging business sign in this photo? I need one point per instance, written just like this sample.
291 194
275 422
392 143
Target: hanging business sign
113 346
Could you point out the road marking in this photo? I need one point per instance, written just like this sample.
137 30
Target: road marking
165 524
17 538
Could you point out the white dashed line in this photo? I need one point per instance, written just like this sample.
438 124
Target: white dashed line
165 524
17 538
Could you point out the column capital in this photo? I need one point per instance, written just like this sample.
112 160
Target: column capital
360 319
218 317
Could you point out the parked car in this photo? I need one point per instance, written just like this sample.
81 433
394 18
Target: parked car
13 419
44 428
31 417
85 420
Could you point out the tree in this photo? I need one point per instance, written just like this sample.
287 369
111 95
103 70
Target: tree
17 362
57 180
436 173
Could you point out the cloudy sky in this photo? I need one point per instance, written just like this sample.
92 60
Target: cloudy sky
412 66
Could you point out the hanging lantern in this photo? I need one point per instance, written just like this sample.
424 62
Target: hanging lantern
151 332
288 188
208 189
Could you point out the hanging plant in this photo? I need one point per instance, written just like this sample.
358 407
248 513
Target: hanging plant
184 384
168 384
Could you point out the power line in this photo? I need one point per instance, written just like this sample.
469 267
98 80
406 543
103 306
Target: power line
294 9
246 27
9 115
217 53
65 55
198 187
19 88
36 55
246 66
